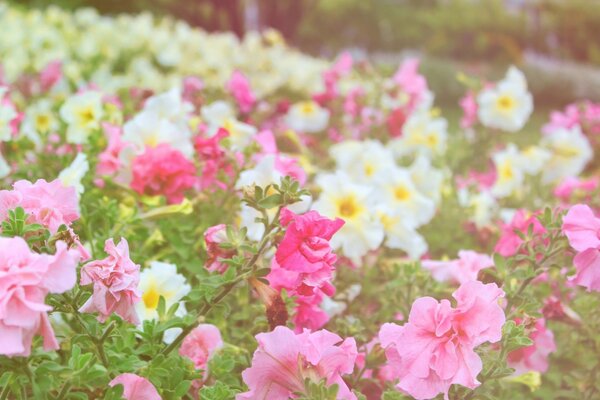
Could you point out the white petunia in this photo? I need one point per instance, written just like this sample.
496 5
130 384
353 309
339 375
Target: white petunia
507 105
426 178
82 112
421 134
365 161
571 151
221 115
307 117
74 173
509 171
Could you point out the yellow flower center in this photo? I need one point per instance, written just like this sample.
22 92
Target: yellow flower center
369 170
506 172
505 103
402 193
348 207
42 123
308 108
151 298
86 115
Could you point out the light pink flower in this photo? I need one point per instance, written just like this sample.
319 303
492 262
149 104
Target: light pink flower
115 281
135 387
162 170
25 280
239 87
411 82
109 161
582 228
435 348
200 345
572 185
213 237
469 107
50 75
305 250
509 241
48 203
284 360
214 161
534 357
462 270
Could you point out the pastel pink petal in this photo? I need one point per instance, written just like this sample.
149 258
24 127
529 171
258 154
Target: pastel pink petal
12 340
135 387
62 271
587 264
47 333
581 227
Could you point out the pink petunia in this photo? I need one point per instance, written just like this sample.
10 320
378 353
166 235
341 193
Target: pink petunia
162 170
582 228
464 269
109 161
509 241
534 357
200 345
435 348
213 237
284 360
115 280
26 278
239 87
469 107
135 387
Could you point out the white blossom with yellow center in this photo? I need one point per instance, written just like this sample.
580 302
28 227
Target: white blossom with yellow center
74 173
509 171
7 114
422 134
39 120
571 151
365 161
82 112
507 105
354 203
220 114
307 117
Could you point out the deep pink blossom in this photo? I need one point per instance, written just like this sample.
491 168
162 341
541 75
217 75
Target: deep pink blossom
26 278
534 357
435 348
135 387
461 270
162 170
48 203
239 87
582 228
214 161
115 280
509 242
284 360
305 250
109 161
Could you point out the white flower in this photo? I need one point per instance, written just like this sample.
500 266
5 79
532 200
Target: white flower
39 120
82 112
221 115
508 105
7 114
307 117
4 167
74 173
426 178
421 134
400 233
364 161
509 172
160 279
483 205
353 203
571 151
534 159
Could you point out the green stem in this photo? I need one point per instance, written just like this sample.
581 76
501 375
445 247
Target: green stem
63 391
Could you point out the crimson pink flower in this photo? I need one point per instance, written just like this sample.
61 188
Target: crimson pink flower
435 348
240 89
135 387
464 269
534 357
162 170
25 280
284 360
115 281
50 204
200 344
582 228
214 160
509 241
213 237
305 251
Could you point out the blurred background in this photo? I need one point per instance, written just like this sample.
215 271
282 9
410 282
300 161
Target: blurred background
556 42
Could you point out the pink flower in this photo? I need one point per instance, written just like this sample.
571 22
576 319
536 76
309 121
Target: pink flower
192 86
572 185
135 387
109 161
200 344
534 357
582 228
462 270
48 203
240 89
435 348
115 280
214 161
308 314
162 170
469 107
50 75
509 241
305 251
411 82
284 360
213 237
25 280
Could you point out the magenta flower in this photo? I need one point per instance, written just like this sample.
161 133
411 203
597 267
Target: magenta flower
464 269
582 228
305 253
284 360
213 237
534 357
239 87
135 387
115 281
509 241
26 278
162 170
435 348
200 344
